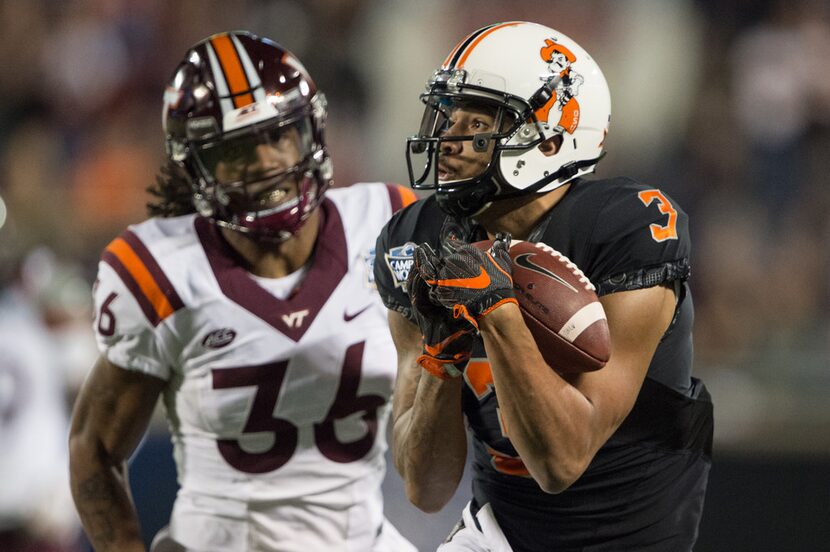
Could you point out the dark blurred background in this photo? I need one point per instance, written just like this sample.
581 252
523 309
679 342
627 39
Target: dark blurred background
723 104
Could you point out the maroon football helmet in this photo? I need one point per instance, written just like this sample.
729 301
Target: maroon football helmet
235 100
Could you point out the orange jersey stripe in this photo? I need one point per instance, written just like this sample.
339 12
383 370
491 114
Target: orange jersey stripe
476 42
122 250
234 72
407 196
400 197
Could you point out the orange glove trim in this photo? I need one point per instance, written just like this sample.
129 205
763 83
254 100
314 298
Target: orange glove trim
436 367
497 305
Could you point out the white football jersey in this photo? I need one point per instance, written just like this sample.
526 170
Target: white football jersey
277 388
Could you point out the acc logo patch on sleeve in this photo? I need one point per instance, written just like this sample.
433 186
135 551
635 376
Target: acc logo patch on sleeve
399 261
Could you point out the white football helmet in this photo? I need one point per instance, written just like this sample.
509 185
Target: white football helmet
540 84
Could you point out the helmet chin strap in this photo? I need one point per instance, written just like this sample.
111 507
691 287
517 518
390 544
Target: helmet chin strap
487 189
471 198
236 220
565 172
259 235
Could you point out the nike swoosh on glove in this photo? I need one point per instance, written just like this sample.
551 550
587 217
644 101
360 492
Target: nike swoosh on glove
468 280
447 341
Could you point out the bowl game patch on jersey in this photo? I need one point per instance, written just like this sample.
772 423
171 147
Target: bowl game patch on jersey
399 260
369 258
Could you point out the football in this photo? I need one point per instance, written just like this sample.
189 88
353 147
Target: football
560 307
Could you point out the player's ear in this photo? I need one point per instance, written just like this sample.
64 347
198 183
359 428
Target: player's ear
551 145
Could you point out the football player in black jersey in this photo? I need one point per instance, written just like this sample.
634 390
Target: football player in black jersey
616 459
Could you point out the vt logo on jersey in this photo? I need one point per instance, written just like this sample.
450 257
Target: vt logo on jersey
524 261
295 319
399 260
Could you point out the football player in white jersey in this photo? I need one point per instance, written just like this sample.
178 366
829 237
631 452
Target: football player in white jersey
35 505
247 303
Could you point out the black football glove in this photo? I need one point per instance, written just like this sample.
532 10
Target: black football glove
468 280
447 341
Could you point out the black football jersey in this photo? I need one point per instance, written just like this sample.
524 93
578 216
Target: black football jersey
644 489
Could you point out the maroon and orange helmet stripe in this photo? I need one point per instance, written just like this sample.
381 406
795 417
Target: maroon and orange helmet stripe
143 276
238 84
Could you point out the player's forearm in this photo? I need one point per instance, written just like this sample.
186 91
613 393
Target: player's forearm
101 493
430 443
549 422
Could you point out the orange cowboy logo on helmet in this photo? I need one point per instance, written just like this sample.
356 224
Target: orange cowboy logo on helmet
565 86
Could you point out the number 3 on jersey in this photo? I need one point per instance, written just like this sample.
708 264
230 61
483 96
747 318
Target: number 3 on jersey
658 232
479 378
268 379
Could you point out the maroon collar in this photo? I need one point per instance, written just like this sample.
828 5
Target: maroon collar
329 264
